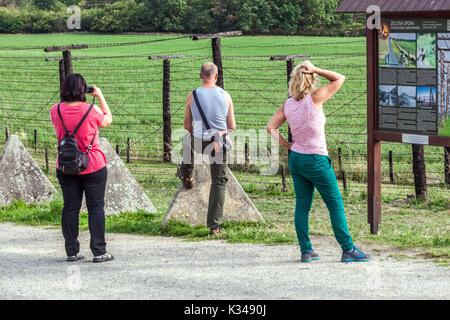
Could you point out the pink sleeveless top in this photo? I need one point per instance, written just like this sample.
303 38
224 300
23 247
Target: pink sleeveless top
72 115
307 126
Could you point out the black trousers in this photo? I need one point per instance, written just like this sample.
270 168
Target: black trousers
73 186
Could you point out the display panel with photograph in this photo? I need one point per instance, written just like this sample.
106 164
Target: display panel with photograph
398 50
407 96
408 80
388 95
426 50
426 97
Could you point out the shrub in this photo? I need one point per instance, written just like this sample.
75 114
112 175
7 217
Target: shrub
10 21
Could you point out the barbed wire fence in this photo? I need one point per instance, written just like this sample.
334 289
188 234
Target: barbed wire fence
133 86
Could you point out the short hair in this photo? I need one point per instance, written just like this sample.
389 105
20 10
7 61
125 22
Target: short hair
74 88
208 69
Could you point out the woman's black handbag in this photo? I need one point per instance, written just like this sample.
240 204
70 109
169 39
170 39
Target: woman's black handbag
222 140
70 159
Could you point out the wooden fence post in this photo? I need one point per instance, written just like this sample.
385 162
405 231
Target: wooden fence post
342 172
35 140
128 150
391 167
217 59
46 159
6 132
419 170
340 159
344 180
217 49
67 61
167 119
62 77
447 164
246 152
283 179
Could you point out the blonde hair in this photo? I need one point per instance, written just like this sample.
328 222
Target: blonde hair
302 84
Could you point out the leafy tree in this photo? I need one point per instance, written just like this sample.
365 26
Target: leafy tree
287 16
119 16
44 4
254 16
199 17
166 15
10 21
318 14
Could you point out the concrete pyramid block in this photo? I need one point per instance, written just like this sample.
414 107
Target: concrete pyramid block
191 205
21 177
123 193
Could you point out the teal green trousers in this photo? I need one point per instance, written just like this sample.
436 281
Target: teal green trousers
310 172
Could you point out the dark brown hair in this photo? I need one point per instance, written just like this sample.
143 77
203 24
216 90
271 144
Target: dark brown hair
74 88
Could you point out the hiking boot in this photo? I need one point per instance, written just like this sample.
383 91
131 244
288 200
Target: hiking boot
215 231
309 256
187 182
103 258
355 255
74 258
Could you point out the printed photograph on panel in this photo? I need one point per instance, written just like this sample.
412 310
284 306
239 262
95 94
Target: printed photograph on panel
387 95
398 50
406 96
426 97
426 50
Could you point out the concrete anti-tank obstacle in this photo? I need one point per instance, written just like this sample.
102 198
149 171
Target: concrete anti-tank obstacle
123 193
191 205
20 176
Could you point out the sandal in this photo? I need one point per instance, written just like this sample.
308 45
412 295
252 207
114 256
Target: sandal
103 258
215 231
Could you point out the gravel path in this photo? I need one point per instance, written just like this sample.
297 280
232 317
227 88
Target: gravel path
32 266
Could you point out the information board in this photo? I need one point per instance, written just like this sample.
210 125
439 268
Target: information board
408 77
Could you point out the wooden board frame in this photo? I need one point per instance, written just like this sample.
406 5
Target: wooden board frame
375 136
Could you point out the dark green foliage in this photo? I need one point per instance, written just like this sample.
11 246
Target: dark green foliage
314 17
44 4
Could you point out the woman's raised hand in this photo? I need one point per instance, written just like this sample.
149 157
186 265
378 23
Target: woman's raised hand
307 68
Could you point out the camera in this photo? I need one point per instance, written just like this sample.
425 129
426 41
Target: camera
90 90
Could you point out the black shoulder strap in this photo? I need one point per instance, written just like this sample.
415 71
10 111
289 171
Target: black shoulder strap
82 120
79 125
62 121
199 107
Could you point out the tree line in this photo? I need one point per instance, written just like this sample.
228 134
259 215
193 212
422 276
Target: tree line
283 17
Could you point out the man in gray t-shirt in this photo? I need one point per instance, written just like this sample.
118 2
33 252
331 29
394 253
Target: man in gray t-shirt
217 107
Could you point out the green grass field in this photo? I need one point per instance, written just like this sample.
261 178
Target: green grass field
445 130
132 85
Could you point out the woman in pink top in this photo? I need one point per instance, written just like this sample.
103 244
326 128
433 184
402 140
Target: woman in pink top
91 181
309 163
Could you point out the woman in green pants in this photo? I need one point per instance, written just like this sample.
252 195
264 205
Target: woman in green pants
309 162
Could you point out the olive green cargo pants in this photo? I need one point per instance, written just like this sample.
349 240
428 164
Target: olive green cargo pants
219 177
